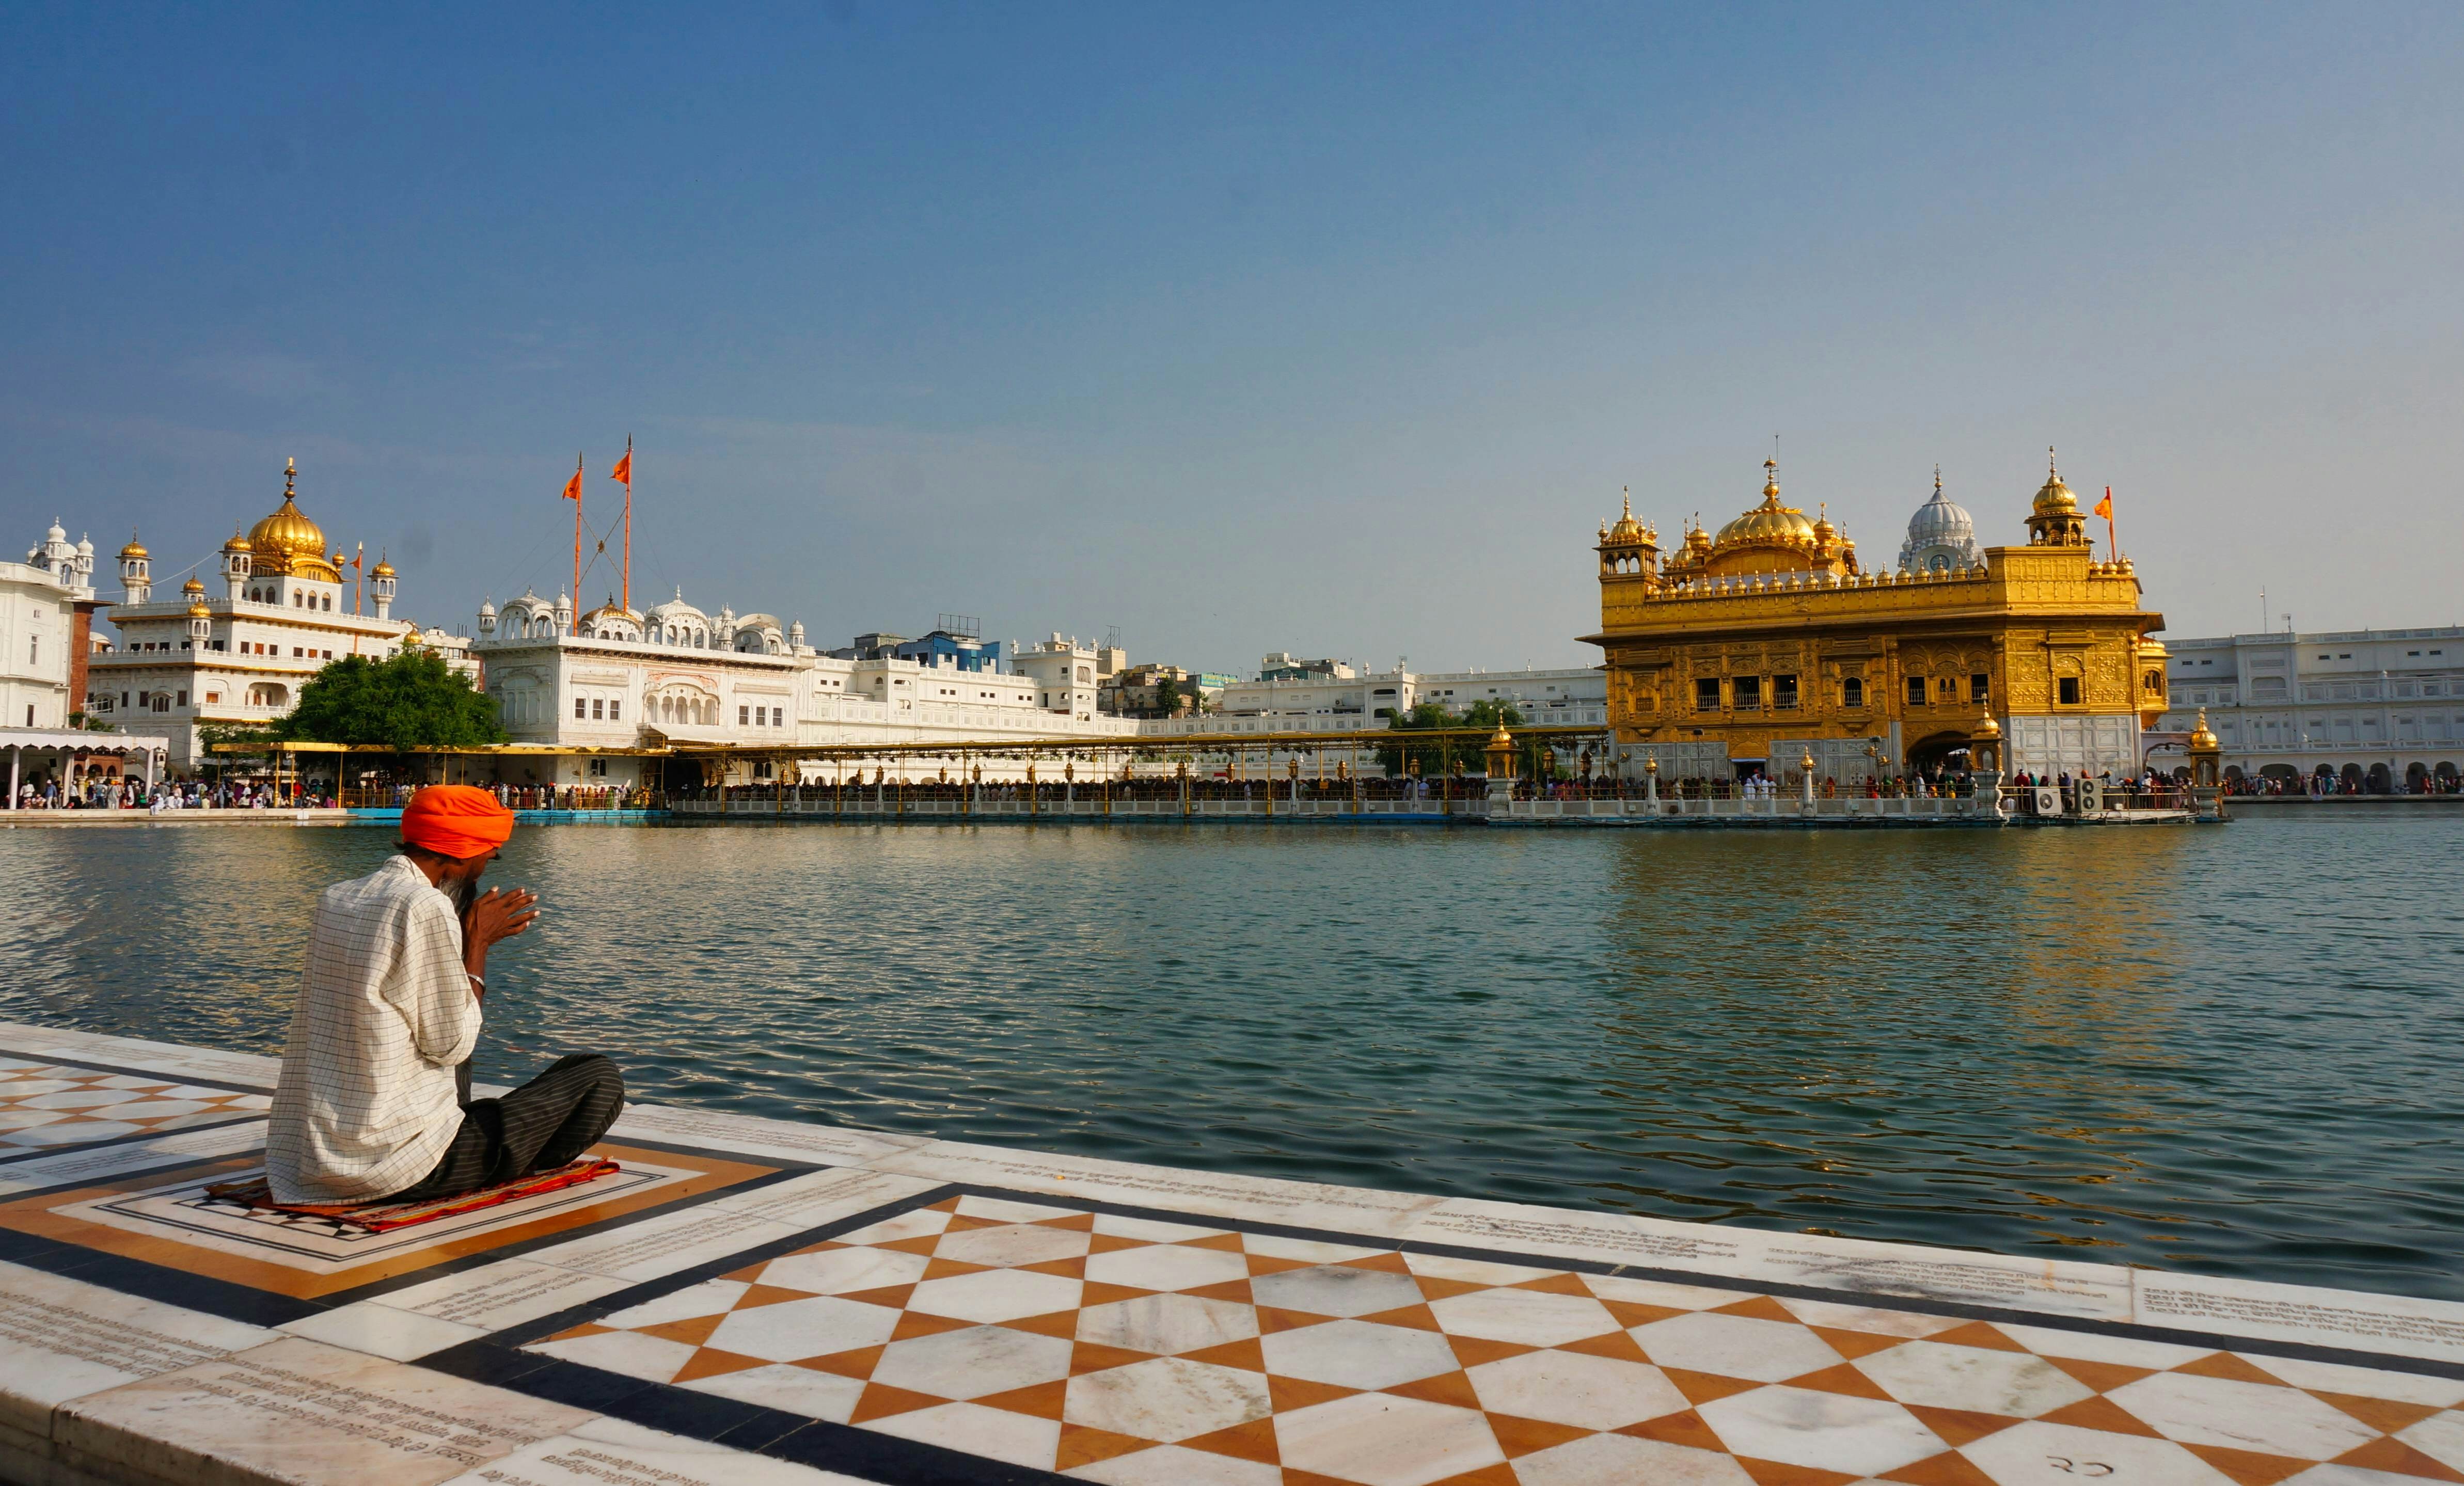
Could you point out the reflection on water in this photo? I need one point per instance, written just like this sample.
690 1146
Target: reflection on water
2223 1050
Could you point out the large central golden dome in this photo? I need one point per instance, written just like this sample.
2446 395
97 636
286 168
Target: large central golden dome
287 544
1769 521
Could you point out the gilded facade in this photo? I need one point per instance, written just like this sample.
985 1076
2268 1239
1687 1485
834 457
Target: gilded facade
1753 647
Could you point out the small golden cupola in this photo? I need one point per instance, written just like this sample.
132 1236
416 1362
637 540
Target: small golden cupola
1629 548
2055 520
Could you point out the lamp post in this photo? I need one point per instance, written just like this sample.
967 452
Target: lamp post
1651 779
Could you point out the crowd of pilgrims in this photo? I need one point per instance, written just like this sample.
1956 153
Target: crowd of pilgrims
103 792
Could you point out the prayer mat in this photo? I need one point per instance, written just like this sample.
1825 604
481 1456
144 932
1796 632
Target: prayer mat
382 1217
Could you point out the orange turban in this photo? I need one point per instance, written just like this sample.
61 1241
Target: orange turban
455 821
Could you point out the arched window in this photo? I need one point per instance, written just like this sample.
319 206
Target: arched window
1852 692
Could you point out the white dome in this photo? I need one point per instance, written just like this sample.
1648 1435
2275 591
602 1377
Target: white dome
57 531
1941 535
487 609
676 608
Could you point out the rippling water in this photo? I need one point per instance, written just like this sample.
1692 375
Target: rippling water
2227 1050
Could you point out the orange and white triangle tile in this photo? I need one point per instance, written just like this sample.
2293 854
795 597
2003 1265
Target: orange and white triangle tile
44 1106
1137 1352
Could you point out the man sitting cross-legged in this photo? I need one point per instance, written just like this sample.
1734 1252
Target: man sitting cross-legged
370 1106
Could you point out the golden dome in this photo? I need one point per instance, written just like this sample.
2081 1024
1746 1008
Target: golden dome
238 543
192 587
1771 521
383 569
2200 738
1627 528
287 544
1986 728
198 610
2053 498
134 549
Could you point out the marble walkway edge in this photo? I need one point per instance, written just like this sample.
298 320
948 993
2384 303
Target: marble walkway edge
101 1384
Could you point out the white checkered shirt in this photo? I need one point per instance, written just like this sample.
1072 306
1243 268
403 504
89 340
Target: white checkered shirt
366 1105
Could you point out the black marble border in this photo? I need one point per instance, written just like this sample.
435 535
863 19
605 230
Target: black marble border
497 1360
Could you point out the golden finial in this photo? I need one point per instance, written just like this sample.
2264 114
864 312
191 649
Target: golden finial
290 473
2050 472
1629 500
1937 482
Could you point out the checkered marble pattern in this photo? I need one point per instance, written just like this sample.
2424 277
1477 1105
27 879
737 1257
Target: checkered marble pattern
1144 1353
47 1106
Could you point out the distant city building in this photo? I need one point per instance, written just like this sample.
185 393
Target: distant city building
1282 667
2379 710
1335 696
240 657
1749 650
1069 677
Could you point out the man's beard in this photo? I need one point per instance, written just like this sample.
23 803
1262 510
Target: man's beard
466 892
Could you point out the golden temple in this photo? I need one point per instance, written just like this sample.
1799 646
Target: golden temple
1768 642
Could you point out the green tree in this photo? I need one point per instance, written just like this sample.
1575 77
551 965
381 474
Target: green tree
410 700
1437 756
1167 697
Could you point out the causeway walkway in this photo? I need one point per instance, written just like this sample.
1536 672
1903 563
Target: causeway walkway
755 1303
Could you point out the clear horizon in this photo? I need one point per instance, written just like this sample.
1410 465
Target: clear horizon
1284 330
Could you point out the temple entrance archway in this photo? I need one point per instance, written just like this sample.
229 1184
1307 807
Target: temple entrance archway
1936 752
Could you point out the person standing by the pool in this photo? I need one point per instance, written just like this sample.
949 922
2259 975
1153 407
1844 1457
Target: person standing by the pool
370 1106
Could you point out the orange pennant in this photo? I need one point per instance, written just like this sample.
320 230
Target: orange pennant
573 487
2104 506
623 473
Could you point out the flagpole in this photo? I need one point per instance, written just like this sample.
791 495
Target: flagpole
576 621
629 523
2112 542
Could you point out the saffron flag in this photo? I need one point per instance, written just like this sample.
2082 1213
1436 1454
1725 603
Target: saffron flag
2104 506
623 473
573 487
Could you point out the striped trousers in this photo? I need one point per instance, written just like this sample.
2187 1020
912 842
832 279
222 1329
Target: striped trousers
537 1128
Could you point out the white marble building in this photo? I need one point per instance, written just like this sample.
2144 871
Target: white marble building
39 600
2378 708
676 674
192 659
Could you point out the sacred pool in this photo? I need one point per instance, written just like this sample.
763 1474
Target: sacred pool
2227 1051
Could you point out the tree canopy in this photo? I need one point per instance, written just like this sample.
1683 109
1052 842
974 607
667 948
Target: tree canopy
1437 756
409 700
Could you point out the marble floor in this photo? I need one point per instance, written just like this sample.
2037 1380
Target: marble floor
800 1303
48 1105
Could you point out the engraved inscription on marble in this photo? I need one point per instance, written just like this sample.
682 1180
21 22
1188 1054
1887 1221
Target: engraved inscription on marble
654 1240
2192 1305
687 1127
1938 1278
1255 1193
392 1422
594 1463
1643 1245
136 1351
527 1290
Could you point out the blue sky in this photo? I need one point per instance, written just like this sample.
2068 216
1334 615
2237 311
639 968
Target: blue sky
1335 329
